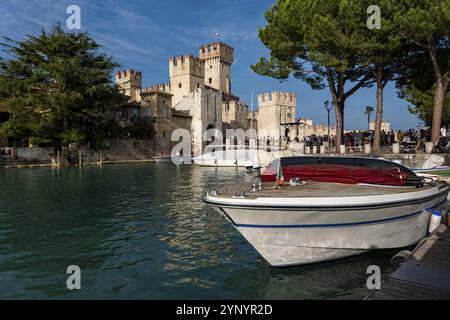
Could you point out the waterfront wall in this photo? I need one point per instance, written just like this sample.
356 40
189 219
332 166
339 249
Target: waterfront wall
114 151
143 150
35 154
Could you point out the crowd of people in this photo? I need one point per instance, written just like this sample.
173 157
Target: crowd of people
412 139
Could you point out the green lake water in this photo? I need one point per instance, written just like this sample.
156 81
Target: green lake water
143 232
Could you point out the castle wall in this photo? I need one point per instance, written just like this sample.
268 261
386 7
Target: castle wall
186 75
201 88
205 107
234 115
130 83
275 109
385 125
304 130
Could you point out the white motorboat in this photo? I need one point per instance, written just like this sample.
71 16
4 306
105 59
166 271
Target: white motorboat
332 207
228 158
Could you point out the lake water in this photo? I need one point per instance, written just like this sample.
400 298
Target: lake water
142 231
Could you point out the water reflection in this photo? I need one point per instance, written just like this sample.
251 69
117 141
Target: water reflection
143 231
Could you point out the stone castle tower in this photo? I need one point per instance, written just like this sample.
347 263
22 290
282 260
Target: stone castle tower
130 83
275 109
186 75
217 58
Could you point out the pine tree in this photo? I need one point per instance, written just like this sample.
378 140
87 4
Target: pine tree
314 41
57 85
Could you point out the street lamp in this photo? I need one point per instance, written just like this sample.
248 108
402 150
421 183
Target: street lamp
328 109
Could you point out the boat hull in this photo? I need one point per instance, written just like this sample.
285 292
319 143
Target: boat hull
290 235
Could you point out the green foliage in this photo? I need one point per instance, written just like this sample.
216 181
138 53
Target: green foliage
73 135
141 130
425 24
369 110
14 129
422 103
57 83
305 37
35 140
315 41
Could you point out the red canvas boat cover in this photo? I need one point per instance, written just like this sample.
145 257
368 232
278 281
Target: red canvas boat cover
339 174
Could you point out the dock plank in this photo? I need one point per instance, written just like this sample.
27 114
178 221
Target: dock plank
393 289
425 275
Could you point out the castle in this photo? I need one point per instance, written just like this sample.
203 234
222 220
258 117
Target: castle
198 97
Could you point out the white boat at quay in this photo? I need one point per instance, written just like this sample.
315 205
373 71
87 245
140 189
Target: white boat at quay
227 158
330 208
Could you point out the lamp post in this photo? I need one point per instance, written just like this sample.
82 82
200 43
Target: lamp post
328 109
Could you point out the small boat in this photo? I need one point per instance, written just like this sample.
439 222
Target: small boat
228 158
313 209
434 165
441 170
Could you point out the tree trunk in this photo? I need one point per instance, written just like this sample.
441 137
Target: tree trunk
439 94
379 113
339 111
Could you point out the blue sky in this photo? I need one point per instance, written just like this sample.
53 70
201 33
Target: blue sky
143 34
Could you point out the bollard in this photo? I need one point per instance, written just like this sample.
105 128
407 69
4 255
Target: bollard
314 149
307 149
252 144
342 149
323 149
367 148
227 144
301 146
395 148
428 147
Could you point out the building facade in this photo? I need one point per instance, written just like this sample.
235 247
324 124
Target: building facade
197 97
385 126
276 110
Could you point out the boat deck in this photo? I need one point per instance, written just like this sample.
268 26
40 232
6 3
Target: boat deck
314 189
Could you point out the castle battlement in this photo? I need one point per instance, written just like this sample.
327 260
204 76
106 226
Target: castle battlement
186 64
277 98
126 75
164 87
217 50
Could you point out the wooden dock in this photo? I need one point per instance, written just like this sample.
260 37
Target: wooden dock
425 275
